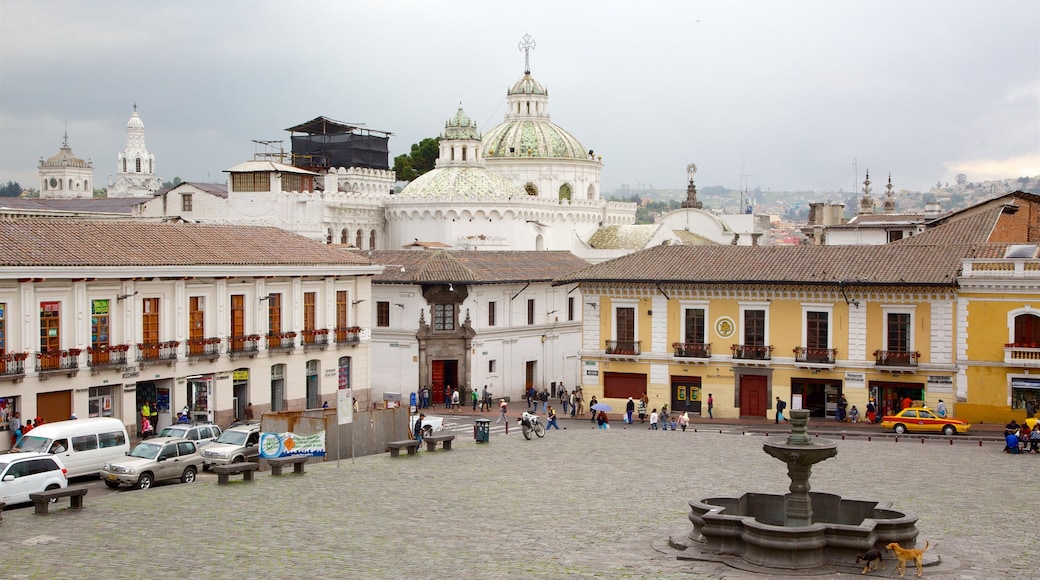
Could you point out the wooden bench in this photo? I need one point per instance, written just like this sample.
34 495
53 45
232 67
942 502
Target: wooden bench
297 461
246 468
433 440
395 447
43 500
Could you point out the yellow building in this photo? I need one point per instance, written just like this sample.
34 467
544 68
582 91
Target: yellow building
815 325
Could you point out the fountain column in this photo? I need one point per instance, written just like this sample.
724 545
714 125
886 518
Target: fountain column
799 453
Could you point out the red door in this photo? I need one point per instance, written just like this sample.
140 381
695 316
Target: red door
753 396
437 378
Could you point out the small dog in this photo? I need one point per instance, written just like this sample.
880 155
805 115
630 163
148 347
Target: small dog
904 555
875 560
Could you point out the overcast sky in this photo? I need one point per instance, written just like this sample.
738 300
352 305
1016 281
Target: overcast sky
787 93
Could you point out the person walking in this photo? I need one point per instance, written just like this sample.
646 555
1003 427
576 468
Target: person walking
565 398
544 398
447 397
579 398
455 400
941 410
552 419
592 403
501 411
654 417
417 431
642 409
711 405
630 408
484 402
573 400
474 396
683 421
780 406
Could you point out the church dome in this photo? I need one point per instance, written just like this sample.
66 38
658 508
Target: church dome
461 127
65 158
531 138
460 181
135 122
527 86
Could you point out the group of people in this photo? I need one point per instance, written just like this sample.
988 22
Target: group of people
18 428
1021 438
452 398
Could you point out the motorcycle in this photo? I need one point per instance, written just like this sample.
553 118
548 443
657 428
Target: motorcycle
529 423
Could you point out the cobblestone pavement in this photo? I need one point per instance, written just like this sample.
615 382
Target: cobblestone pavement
579 503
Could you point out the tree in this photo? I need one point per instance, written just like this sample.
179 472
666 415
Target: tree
422 158
171 184
11 189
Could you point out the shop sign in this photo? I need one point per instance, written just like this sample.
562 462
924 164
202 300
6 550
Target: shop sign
855 377
131 372
240 375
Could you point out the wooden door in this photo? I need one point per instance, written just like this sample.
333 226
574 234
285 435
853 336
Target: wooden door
437 380
753 396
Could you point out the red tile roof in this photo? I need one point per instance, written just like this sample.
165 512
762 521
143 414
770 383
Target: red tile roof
46 242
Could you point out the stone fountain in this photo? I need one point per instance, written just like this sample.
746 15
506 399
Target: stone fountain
801 531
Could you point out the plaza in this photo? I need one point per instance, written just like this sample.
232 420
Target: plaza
580 502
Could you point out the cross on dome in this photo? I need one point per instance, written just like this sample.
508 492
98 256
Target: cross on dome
526 45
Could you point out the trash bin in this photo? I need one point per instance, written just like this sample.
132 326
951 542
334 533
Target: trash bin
482 430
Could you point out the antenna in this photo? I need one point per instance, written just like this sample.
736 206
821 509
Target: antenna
743 187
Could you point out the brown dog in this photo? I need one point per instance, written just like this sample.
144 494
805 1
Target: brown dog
904 555
875 560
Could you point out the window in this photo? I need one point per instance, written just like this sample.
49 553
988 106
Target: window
360 237
383 314
150 321
626 324
530 311
50 326
693 326
492 366
343 235
185 202
99 323
570 307
1027 329
342 302
898 333
310 300
113 439
755 327
186 448
85 442
124 166
251 182
292 182
137 165
238 315
444 317
816 329
197 317
491 313
274 313
372 240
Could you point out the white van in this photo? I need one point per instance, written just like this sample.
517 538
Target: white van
84 445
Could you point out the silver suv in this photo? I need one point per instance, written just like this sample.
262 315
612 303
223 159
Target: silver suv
239 443
201 433
152 460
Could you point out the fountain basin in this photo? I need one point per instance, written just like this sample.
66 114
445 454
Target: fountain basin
750 528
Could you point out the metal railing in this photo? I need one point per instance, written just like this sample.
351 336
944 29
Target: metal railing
692 349
623 347
896 358
58 360
107 356
752 351
806 354
152 352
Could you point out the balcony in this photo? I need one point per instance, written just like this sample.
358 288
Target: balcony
812 357
107 356
244 346
350 335
151 353
752 352
203 349
896 361
1022 354
315 339
696 350
281 341
12 366
623 347
58 361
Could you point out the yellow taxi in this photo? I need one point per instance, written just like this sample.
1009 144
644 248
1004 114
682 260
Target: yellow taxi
923 420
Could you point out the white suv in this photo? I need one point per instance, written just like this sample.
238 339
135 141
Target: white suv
201 433
24 473
237 444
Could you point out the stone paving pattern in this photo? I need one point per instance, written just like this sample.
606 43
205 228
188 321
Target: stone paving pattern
579 503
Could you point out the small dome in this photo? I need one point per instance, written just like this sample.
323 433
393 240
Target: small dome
527 86
65 158
135 122
465 181
531 138
461 127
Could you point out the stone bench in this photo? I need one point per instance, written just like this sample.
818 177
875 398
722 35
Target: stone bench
246 468
297 461
395 447
43 500
433 440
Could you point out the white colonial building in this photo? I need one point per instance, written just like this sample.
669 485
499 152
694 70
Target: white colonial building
65 176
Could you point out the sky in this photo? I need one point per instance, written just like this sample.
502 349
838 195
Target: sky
781 96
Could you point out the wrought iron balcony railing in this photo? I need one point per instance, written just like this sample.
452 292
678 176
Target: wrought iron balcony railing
806 354
199 348
318 338
281 341
107 356
157 352
245 345
752 351
58 360
348 335
623 347
692 349
13 364
896 358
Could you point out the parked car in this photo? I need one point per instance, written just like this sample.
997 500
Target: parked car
24 473
237 444
923 420
84 445
152 460
430 423
201 433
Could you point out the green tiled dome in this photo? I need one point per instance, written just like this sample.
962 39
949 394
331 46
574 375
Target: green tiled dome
465 181
531 138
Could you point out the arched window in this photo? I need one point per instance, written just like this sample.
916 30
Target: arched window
70 185
151 166
372 240
137 165
360 238
1027 330
539 242
328 237
344 237
591 193
565 191
531 188
124 165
